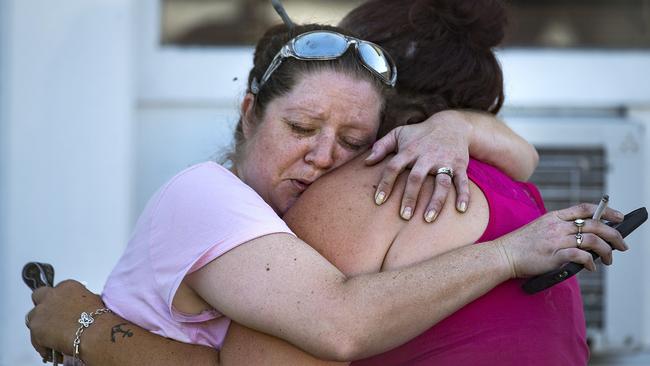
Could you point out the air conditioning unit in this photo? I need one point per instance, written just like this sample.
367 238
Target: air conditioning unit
584 154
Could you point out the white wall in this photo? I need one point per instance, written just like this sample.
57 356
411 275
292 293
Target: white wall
576 78
4 26
67 113
169 138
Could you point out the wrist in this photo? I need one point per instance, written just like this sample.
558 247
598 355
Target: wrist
506 263
89 324
463 121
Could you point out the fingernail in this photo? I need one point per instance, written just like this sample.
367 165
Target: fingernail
626 246
619 215
372 154
430 216
462 207
407 212
380 197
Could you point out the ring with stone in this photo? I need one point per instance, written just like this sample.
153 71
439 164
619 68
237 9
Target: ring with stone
579 223
579 241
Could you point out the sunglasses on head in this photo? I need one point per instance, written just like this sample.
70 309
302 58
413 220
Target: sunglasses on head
329 45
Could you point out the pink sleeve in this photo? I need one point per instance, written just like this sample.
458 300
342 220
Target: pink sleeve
200 215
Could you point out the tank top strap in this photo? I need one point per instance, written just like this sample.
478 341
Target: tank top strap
512 204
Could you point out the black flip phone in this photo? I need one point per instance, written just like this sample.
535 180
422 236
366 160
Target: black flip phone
630 222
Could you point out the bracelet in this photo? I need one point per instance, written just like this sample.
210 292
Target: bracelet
85 320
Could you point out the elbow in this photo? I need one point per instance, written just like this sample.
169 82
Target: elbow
346 334
533 163
346 338
344 348
535 157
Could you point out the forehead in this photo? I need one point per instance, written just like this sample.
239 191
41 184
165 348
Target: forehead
334 96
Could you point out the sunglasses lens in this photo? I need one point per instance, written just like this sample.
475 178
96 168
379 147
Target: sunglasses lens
374 57
320 45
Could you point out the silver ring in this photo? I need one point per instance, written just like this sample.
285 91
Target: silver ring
446 171
579 223
579 241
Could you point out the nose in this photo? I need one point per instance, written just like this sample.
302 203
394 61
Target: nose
321 154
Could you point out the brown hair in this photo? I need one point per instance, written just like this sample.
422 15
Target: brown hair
443 49
289 73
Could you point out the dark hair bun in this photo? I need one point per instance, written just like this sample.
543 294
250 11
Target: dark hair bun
443 50
481 23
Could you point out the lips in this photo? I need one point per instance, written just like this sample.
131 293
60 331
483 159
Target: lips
301 184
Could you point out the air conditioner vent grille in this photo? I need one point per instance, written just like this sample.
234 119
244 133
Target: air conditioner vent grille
566 177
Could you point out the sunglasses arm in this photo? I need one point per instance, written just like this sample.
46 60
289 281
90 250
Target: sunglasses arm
277 61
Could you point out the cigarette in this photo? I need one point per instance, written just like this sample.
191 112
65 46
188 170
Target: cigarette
601 207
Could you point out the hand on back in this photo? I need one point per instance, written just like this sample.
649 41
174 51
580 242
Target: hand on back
425 148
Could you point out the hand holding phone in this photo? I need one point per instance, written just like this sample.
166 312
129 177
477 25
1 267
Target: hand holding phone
630 222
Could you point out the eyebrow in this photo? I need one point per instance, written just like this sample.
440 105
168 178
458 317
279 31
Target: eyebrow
309 113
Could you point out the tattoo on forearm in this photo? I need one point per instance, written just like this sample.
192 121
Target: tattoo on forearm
116 330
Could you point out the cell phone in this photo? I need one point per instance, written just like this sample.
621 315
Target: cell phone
37 274
630 222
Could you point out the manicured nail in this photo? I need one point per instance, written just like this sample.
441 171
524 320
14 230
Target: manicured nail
372 154
380 197
407 212
430 216
462 207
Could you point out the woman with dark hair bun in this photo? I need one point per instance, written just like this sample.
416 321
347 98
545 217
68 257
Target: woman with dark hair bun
211 247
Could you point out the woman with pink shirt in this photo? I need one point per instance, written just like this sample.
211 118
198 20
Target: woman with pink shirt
210 246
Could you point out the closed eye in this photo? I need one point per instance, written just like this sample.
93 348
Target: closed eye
301 130
353 145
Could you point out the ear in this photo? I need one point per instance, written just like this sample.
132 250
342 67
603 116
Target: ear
247 115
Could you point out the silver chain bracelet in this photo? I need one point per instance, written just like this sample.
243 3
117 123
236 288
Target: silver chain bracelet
85 320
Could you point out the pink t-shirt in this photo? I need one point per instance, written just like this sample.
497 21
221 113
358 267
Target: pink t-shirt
199 215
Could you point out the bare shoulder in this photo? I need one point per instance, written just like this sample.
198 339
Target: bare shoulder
338 217
419 240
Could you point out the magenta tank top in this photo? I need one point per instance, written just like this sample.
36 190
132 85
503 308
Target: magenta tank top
506 326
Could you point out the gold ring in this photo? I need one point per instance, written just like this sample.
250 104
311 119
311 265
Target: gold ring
579 241
579 223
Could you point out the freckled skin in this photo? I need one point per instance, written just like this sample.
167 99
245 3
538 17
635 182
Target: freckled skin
336 109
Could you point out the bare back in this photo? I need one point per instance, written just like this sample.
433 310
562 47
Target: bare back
338 218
